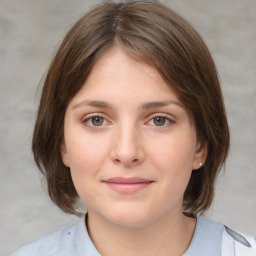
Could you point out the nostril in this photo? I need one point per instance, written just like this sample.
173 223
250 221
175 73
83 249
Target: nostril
126 162
117 160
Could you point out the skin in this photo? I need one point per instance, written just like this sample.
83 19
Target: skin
112 129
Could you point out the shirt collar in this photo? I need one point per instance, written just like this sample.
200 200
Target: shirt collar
207 239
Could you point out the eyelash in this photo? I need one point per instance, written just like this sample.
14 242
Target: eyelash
166 119
90 118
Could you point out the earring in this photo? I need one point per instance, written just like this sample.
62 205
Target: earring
200 164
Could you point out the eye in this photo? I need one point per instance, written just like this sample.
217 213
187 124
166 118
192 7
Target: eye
160 121
97 121
94 121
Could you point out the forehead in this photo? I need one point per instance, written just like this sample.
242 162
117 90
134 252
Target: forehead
118 59
117 74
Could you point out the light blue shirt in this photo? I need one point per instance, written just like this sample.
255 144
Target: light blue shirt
75 241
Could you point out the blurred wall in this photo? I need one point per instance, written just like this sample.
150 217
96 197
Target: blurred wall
30 31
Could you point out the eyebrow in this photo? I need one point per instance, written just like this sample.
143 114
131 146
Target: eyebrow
155 104
145 106
94 103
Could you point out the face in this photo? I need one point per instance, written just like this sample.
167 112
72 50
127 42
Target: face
129 143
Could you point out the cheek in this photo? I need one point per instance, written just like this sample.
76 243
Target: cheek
176 152
173 158
86 160
86 155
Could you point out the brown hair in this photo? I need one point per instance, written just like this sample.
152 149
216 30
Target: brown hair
151 32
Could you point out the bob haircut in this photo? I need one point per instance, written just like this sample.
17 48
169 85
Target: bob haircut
153 33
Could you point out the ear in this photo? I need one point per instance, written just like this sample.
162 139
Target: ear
64 154
200 155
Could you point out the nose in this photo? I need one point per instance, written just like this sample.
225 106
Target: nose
127 148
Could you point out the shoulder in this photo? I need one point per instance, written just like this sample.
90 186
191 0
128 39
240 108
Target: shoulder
61 242
244 245
213 238
70 241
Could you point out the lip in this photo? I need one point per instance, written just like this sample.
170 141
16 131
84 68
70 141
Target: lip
127 185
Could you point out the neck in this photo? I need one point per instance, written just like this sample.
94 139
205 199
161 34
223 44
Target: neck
168 236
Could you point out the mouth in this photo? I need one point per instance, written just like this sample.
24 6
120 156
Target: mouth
127 185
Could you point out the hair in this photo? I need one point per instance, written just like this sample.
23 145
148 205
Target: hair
153 33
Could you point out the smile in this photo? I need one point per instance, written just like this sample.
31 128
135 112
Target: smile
127 185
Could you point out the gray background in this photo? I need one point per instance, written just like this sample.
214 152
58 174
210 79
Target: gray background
30 31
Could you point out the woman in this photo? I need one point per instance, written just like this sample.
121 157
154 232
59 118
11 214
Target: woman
132 121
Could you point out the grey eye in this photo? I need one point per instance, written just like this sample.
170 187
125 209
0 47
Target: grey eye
159 121
97 120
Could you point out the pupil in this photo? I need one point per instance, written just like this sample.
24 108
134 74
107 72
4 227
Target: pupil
97 121
159 121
